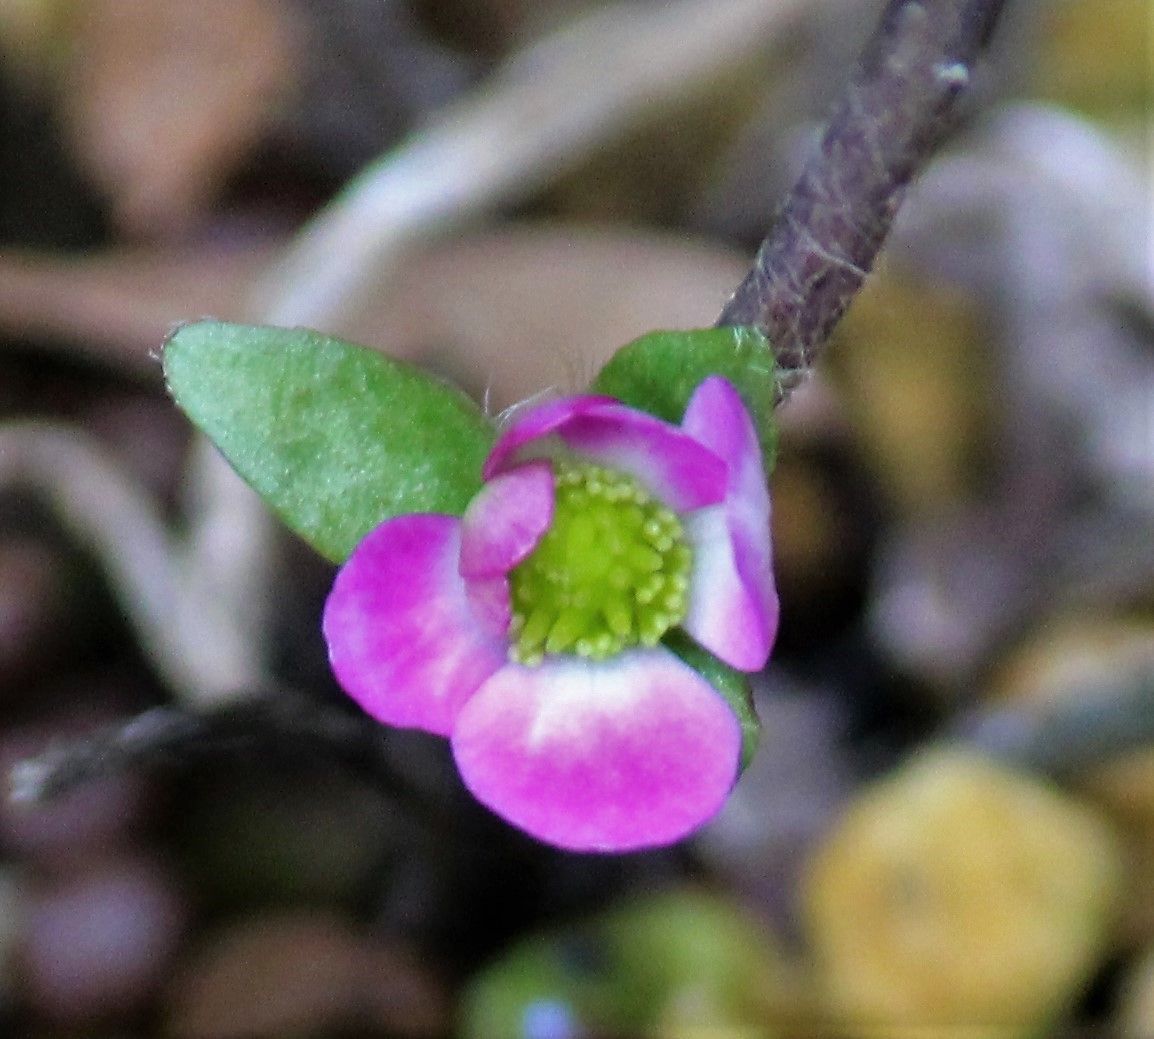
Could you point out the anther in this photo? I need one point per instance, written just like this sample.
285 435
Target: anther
611 572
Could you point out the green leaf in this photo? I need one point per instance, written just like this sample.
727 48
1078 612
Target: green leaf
659 372
733 685
335 437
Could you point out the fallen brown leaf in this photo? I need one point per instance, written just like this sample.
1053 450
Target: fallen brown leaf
162 99
505 314
115 307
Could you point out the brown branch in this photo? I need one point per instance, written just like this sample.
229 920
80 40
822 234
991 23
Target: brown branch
894 114
281 722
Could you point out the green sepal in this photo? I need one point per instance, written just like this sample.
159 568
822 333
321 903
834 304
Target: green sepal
335 437
659 372
733 685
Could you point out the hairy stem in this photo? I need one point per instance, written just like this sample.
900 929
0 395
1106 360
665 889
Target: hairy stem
890 120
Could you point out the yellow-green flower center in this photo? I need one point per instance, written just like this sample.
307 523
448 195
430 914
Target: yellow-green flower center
611 572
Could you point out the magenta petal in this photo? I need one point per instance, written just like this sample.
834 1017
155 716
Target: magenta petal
506 520
733 608
674 465
492 604
403 639
629 753
536 424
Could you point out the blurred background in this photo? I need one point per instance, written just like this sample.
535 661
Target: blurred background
964 522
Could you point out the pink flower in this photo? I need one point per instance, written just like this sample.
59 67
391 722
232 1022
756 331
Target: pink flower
528 630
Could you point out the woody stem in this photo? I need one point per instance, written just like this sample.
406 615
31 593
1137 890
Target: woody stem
897 109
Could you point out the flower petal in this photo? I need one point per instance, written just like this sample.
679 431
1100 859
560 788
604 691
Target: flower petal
403 639
506 520
492 604
675 466
733 605
536 423
612 756
723 614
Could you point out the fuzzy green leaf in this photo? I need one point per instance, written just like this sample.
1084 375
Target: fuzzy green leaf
335 437
659 372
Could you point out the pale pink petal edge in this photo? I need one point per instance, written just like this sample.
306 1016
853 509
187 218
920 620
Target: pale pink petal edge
724 615
506 520
734 607
632 753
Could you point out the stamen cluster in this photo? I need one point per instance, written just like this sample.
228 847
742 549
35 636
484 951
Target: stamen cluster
611 572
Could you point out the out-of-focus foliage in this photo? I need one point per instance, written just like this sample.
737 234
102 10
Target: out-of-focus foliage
163 104
232 65
1136 1008
913 365
1081 659
674 965
1095 57
303 972
959 894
